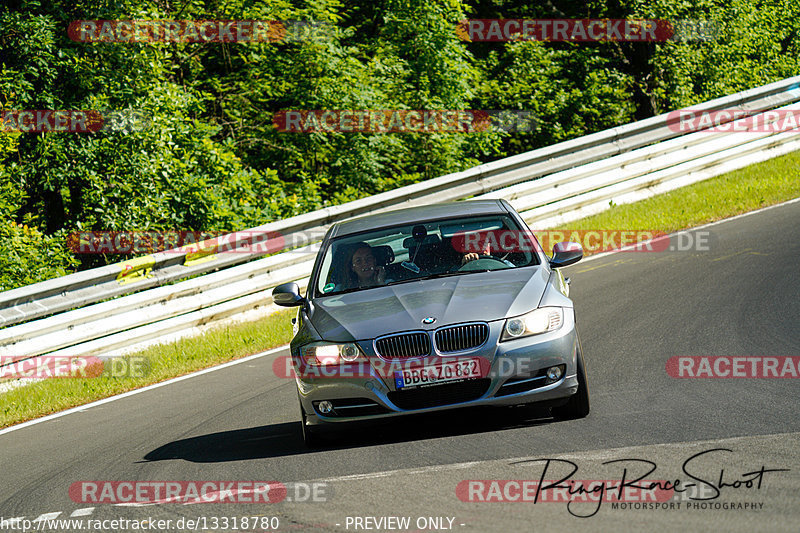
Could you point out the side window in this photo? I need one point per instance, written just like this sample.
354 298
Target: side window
325 282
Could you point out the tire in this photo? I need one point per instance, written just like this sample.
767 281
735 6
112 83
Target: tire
578 404
311 435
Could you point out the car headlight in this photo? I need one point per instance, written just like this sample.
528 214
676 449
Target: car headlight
322 353
537 321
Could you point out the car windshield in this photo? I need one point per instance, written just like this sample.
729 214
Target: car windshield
401 254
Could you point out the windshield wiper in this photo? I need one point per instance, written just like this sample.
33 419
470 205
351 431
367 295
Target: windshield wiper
442 275
446 275
431 276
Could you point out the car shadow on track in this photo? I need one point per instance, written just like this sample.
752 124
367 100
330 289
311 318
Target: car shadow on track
278 440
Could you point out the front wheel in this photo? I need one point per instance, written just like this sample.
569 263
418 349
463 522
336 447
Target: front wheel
578 404
311 435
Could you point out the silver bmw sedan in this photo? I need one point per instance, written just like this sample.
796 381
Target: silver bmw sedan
431 308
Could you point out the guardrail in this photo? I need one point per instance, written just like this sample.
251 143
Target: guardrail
105 309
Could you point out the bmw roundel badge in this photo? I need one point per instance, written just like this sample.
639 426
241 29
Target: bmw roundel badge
428 320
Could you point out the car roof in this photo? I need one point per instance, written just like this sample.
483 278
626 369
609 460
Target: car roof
410 215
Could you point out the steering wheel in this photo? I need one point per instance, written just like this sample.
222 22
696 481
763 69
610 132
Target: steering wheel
484 262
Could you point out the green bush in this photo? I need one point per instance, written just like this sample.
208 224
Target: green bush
28 256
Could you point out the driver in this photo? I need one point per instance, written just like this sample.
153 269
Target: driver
472 256
486 252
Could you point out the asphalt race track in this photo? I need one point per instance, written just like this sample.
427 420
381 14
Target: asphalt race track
740 297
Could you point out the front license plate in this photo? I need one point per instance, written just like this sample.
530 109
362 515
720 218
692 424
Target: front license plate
438 373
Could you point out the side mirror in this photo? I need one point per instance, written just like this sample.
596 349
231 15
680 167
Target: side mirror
287 295
565 254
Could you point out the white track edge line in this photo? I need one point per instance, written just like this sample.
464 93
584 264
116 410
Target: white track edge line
686 230
138 391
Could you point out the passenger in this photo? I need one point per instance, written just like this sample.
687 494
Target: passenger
361 268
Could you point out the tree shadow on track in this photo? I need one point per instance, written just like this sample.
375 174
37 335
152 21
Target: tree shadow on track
278 440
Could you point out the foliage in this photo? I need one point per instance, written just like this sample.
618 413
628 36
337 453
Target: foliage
207 155
28 256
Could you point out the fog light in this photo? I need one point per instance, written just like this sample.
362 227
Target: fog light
325 407
554 373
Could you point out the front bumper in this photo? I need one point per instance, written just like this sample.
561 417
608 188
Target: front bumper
515 376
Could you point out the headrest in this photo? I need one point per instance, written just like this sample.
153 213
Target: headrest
384 255
411 242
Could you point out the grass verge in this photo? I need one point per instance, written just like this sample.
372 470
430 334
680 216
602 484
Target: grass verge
747 189
744 190
165 361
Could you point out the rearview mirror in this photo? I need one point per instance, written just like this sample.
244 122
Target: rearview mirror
287 295
565 254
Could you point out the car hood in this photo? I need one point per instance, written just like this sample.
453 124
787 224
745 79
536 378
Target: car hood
482 296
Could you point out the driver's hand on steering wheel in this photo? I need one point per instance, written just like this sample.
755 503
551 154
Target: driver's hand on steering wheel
469 257
472 256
